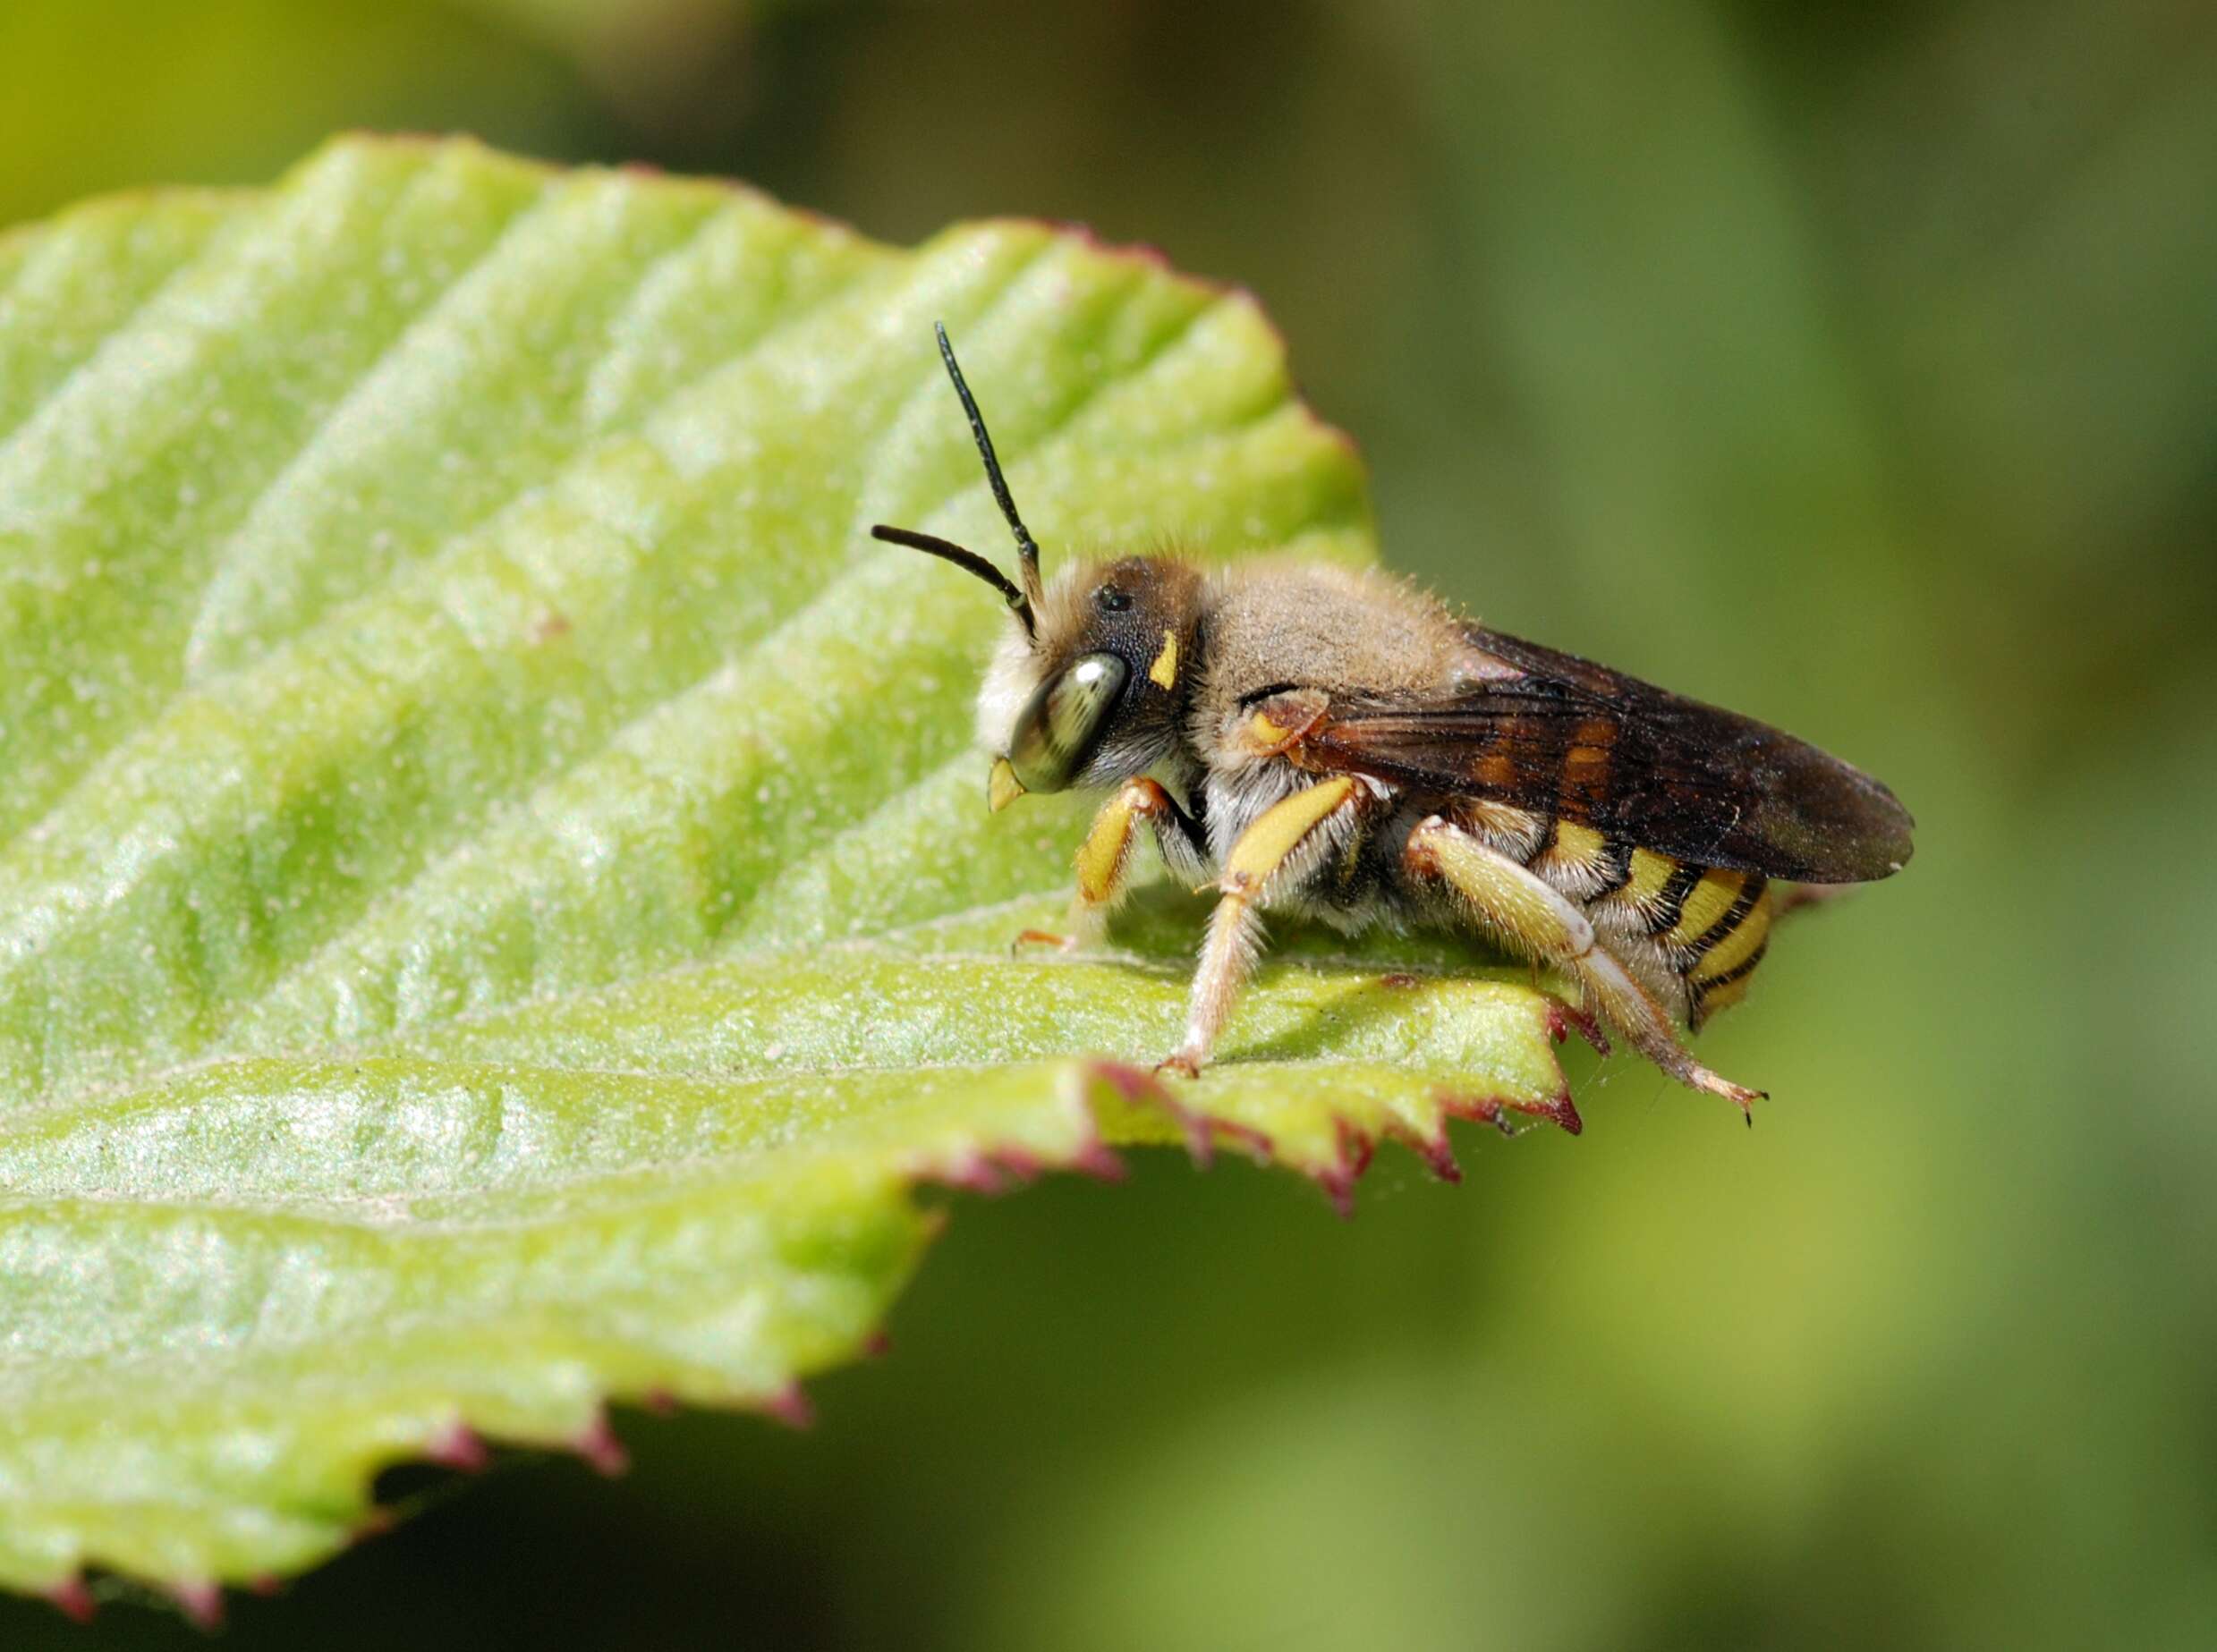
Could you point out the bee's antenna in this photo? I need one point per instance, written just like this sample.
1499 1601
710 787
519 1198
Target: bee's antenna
1027 550
969 561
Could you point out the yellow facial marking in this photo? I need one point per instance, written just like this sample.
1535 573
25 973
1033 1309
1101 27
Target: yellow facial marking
1002 787
1163 673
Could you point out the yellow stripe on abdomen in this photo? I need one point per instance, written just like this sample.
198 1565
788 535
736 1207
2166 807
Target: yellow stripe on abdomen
1718 974
1711 899
1734 949
1577 848
1649 872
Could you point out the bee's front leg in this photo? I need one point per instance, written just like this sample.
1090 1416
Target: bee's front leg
1310 819
1104 863
1529 913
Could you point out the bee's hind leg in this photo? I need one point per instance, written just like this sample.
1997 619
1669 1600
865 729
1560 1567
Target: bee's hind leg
1104 863
1532 915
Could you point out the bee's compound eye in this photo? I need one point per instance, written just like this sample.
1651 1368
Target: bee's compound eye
1058 728
1112 599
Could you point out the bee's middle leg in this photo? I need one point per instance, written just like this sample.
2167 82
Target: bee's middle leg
1307 820
1537 919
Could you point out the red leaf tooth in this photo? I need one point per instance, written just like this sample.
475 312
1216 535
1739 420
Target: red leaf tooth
1202 1129
374 1522
1433 1148
201 1601
1564 1019
1255 1143
1356 1146
598 1444
1137 1087
1132 1084
1353 1148
973 1172
1478 1110
877 1345
1338 1181
789 1405
73 1598
268 1585
1558 1110
1200 1141
459 1446
1098 1160
659 1402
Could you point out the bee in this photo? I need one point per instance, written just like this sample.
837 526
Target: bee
1338 745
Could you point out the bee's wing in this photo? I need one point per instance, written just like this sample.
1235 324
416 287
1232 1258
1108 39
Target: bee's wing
1562 736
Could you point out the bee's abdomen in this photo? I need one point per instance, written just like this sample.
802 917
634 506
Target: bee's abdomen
1708 924
1711 923
1705 926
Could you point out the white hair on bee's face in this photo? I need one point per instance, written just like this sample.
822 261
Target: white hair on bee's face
1009 678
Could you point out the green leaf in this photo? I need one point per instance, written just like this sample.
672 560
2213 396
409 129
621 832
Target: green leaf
496 909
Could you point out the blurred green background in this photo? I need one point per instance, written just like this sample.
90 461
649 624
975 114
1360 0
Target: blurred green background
1855 367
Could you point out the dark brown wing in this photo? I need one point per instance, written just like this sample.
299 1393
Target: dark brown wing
1564 737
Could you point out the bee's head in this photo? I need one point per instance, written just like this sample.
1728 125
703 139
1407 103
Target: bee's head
1094 694
1086 688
